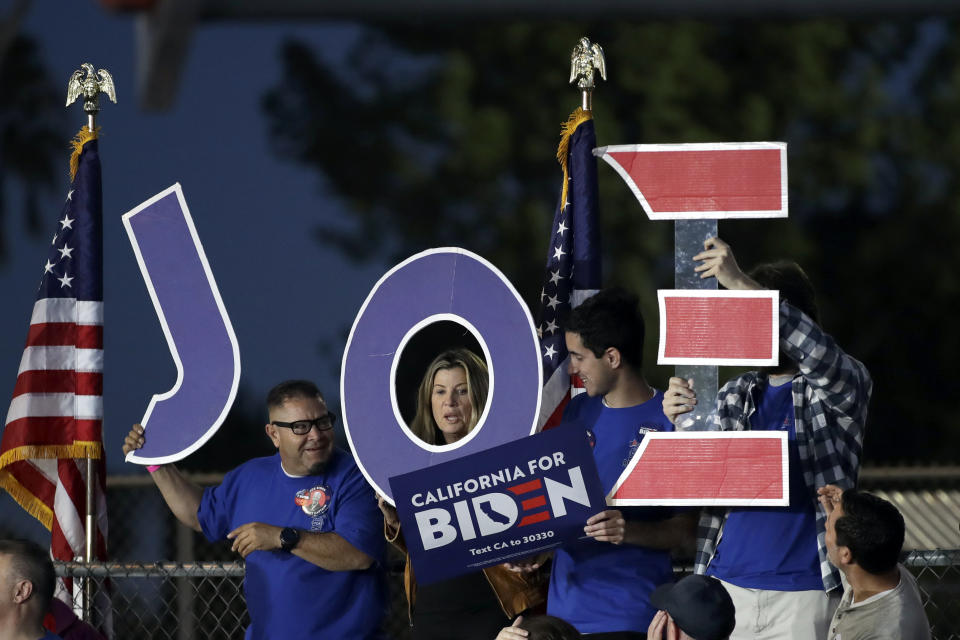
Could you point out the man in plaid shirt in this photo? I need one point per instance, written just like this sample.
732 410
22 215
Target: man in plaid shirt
773 561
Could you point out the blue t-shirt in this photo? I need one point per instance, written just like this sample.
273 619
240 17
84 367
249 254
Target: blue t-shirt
288 597
597 586
773 547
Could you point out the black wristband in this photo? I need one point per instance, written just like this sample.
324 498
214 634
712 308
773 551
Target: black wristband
289 537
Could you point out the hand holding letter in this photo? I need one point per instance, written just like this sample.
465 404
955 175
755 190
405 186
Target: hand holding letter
134 439
680 398
717 260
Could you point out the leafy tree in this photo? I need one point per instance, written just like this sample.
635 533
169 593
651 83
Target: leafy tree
437 134
33 144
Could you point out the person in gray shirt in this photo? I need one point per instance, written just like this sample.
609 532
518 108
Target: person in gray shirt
864 537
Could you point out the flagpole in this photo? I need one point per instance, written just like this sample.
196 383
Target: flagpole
86 83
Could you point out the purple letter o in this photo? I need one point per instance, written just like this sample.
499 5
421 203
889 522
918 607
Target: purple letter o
448 284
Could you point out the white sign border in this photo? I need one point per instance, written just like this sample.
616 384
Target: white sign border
782 212
534 428
782 501
772 294
171 345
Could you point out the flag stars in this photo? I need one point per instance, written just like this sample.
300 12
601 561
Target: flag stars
561 228
47 268
54 241
552 327
549 352
540 332
555 277
70 195
67 222
558 253
553 302
66 251
65 280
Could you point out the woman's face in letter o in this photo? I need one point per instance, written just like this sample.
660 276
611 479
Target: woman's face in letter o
450 401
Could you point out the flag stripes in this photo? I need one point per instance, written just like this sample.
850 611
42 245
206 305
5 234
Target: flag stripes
54 422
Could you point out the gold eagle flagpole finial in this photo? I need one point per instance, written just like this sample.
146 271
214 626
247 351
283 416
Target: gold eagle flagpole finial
90 87
586 57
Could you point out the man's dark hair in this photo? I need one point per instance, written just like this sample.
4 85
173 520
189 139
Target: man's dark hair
549 628
611 318
30 561
292 389
872 529
792 282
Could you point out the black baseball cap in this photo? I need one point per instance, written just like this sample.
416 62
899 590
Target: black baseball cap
699 605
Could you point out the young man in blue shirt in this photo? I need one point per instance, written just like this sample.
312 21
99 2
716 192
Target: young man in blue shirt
602 584
304 519
773 561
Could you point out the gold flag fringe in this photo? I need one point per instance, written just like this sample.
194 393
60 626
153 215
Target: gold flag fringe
578 117
83 137
31 503
79 449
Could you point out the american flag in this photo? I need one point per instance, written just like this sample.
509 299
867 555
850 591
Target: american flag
55 419
573 261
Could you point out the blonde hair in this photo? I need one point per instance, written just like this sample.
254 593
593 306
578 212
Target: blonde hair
475 370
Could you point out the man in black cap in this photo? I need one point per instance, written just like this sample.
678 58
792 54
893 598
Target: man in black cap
695 608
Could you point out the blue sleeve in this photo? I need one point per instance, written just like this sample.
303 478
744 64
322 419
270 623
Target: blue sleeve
581 411
358 520
216 508
571 411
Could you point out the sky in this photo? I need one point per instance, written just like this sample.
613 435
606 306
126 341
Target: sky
256 215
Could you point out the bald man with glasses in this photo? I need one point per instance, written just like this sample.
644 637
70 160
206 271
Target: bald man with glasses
304 519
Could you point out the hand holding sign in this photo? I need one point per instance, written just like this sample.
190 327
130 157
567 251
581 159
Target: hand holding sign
607 526
524 565
389 513
717 261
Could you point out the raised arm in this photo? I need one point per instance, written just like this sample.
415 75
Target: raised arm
181 495
841 381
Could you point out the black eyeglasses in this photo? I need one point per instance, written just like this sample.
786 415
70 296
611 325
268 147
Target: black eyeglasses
303 427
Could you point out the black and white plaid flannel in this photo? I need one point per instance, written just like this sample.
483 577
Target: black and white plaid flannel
830 397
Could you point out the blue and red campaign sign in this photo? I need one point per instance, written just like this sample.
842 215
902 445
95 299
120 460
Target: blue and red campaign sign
195 322
505 503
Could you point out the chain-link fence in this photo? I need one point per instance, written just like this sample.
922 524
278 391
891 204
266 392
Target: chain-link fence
162 601
938 576
198 594
180 601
